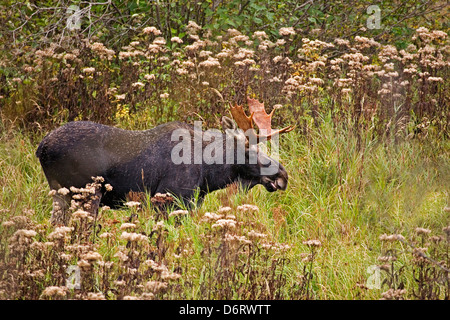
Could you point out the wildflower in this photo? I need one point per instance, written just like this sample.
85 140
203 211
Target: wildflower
167 275
133 237
164 95
152 48
392 237
54 291
63 191
188 64
83 264
280 42
313 66
312 243
260 34
211 62
182 71
275 79
286 31
238 38
224 53
59 232
364 42
121 96
99 49
316 81
151 30
176 39
384 91
435 79
410 70
235 238
277 59
394 294
106 235
307 257
193 27
211 216
132 204
342 42
404 83
233 32
155 286
248 61
224 223
224 210
178 213
159 41
243 53
247 207
95 296
138 85
88 70
92 256
8 223
438 34
122 256
420 231
258 235
80 214
125 226
205 53
346 90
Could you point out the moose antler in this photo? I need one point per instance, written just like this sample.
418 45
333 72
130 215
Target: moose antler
260 117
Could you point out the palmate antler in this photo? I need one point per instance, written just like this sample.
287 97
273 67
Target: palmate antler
262 120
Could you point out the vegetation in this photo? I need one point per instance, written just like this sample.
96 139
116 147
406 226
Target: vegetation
366 214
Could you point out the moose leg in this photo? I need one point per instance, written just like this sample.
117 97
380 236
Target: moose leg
60 211
93 204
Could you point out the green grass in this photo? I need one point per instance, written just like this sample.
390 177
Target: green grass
342 192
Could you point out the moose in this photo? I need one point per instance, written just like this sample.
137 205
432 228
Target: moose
143 161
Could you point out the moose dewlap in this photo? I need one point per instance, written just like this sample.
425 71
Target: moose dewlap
173 157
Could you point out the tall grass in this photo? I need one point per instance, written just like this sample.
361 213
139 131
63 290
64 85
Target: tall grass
347 193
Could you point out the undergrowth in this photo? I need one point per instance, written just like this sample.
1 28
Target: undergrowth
360 219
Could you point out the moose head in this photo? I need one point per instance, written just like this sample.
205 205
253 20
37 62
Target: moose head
259 168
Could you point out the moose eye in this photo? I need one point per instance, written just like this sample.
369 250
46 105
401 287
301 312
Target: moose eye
265 162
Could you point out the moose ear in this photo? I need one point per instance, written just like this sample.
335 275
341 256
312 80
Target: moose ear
228 123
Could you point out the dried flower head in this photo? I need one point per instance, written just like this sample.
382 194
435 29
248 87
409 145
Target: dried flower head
54 291
151 30
132 204
422 231
312 243
286 31
176 40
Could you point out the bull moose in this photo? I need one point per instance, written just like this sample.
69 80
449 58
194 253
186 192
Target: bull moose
155 161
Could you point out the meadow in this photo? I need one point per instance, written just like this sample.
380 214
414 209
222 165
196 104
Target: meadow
366 214
345 213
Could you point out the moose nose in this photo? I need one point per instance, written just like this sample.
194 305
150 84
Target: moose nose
281 183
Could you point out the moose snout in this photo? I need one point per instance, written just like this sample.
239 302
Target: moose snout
281 183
